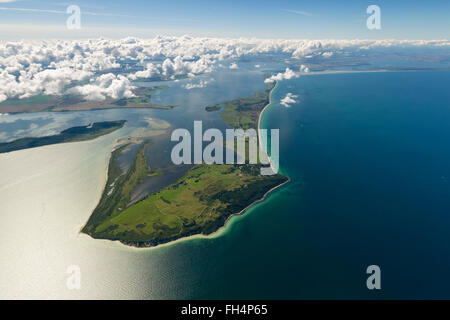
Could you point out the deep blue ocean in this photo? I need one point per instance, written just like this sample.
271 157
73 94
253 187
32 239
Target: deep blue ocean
369 159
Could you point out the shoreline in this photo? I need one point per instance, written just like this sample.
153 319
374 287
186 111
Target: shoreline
259 124
212 235
59 143
140 246
115 145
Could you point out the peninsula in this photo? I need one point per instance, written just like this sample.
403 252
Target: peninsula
74 134
71 102
199 202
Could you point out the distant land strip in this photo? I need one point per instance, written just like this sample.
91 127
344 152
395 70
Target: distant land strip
74 134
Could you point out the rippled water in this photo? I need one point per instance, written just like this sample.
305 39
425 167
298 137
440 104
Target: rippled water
369 161
48 193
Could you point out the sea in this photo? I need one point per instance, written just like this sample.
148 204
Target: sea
369 160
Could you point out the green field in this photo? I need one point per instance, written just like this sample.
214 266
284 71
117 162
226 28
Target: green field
199 202
116 195
74 134
243 113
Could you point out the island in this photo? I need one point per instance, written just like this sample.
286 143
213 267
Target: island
74 134
198 202
215 107
71 102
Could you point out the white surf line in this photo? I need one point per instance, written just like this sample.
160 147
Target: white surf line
315 73
259 128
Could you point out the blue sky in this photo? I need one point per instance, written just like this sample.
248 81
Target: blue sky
319 19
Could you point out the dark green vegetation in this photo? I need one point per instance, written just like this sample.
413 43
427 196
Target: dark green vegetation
70 102
243 113
215 107
74 134
142 99
116 195
198 203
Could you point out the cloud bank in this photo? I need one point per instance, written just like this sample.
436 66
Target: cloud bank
103 68
105 86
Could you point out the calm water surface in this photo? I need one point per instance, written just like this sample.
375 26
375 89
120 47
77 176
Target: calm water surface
369 161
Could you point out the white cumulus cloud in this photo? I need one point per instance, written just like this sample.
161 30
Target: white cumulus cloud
32 67
200 84
289 99
287 74
105 86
